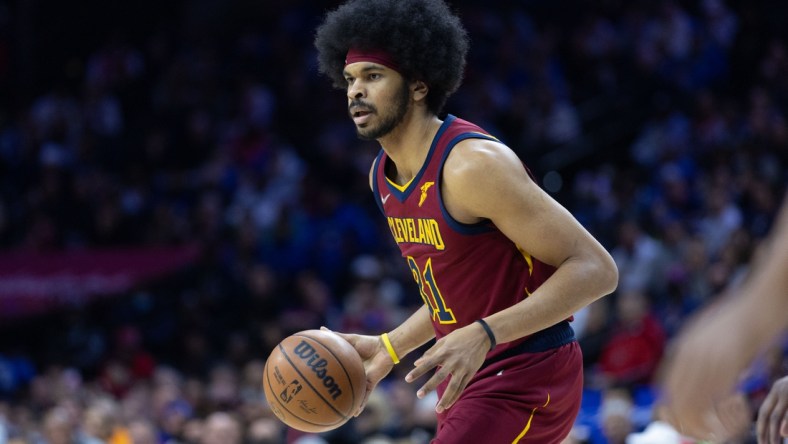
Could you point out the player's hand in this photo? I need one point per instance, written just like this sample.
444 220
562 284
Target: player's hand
459 354
700 375
773 415
377 362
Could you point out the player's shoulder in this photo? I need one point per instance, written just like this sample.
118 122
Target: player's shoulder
479 156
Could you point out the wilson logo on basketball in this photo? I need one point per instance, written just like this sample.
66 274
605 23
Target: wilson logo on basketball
318 365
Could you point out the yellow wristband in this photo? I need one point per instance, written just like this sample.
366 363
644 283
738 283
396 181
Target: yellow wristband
389 348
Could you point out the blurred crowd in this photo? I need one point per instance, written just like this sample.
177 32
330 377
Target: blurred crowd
660 125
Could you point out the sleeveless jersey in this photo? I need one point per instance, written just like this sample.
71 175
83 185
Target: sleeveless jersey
464 272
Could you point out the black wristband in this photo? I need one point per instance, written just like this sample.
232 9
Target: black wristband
489 332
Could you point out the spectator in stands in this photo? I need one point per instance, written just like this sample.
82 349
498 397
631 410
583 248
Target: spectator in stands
221 428
633 352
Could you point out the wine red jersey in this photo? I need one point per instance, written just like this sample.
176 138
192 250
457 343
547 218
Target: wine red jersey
464 271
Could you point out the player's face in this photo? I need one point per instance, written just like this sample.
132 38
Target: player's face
378 98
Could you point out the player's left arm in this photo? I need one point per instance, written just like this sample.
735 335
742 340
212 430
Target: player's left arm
486 180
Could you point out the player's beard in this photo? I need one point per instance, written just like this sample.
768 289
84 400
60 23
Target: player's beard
390 120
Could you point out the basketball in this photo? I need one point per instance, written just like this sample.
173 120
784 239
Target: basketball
314 381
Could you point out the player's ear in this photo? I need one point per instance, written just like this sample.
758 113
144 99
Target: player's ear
419 90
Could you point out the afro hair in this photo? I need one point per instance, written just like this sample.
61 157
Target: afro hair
424 37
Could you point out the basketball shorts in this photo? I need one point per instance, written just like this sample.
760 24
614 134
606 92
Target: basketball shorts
526 398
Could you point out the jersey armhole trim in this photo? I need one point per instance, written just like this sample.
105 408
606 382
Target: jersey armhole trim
375 189
481 227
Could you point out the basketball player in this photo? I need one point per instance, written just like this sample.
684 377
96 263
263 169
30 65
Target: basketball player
701 375
500 265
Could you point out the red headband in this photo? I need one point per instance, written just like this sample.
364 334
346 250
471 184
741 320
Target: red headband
378 56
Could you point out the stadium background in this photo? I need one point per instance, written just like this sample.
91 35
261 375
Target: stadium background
179 190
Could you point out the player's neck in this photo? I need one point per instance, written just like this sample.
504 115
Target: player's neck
408 144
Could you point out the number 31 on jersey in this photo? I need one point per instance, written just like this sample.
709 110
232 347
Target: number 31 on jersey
430 292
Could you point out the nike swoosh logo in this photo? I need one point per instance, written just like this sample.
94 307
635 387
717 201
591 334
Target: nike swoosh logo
384 199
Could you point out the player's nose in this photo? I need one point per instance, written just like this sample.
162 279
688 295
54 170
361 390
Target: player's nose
355 91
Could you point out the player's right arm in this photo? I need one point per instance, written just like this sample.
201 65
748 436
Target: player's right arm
408 336
378 361
717 345
413 333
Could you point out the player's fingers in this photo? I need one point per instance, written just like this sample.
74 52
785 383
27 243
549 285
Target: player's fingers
370 387
357 341
778 417
348 337
365 345
422 366
764 417
430 355
453 390
363 405
433 382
